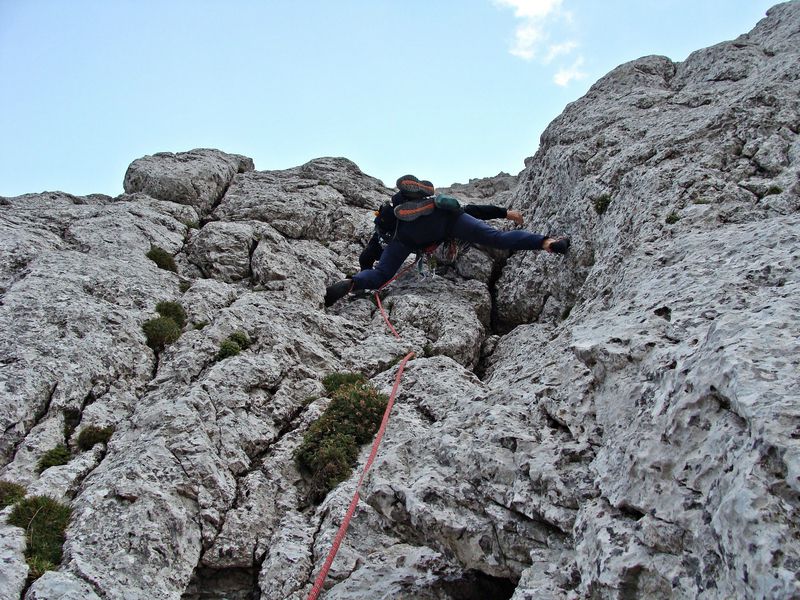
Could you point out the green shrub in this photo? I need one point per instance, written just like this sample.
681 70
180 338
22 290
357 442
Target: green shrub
184 286
334 381
91 435
427 350
227 349
773 190
672 218
601 204
44 520
52 458
701 201
200 324
162 258
330 446
240 338
172 310
10 493
161 332
38 567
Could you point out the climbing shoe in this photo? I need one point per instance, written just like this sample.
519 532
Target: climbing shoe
337 291
558 245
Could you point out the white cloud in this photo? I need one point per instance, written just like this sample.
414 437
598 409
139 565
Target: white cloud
556 50
530 34
567 74
531 9
538 22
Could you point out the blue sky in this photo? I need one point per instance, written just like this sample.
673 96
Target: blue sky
448 90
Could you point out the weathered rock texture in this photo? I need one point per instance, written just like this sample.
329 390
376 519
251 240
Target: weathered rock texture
622 423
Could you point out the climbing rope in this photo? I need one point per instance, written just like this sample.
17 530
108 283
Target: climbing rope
337 540
320 580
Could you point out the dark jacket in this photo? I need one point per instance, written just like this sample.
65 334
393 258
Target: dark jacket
420 233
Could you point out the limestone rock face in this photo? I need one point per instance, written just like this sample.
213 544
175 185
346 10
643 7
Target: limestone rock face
618 423
198 178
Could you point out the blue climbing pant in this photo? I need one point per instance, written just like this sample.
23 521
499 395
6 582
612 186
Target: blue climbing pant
466 228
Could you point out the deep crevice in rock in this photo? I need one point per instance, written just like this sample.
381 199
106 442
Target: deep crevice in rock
475 585
234 583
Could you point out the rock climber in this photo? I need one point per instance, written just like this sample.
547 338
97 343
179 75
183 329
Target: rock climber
385 222
438 222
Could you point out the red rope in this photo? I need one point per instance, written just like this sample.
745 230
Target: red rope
385 317
337 541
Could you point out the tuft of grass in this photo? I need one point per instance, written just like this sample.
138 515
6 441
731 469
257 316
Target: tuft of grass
701 201
227 349
191 224
52 458
200 324
233 344
10 493
38 567
184 286
672 218
601 204
329 449
161 332
334 381
162 258
240 338
45 522
172 310
427 350
91 435
773 190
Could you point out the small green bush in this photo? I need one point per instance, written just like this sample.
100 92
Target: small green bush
427 350
161 332
334 381
10 493
241 338
672 218
91 435
227 349
172 310
601 204
162 258
330 446
184 286
44 520
701 201
52 458
200 324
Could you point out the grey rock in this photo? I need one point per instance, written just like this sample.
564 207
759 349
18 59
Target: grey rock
13 569
632 432
198 178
